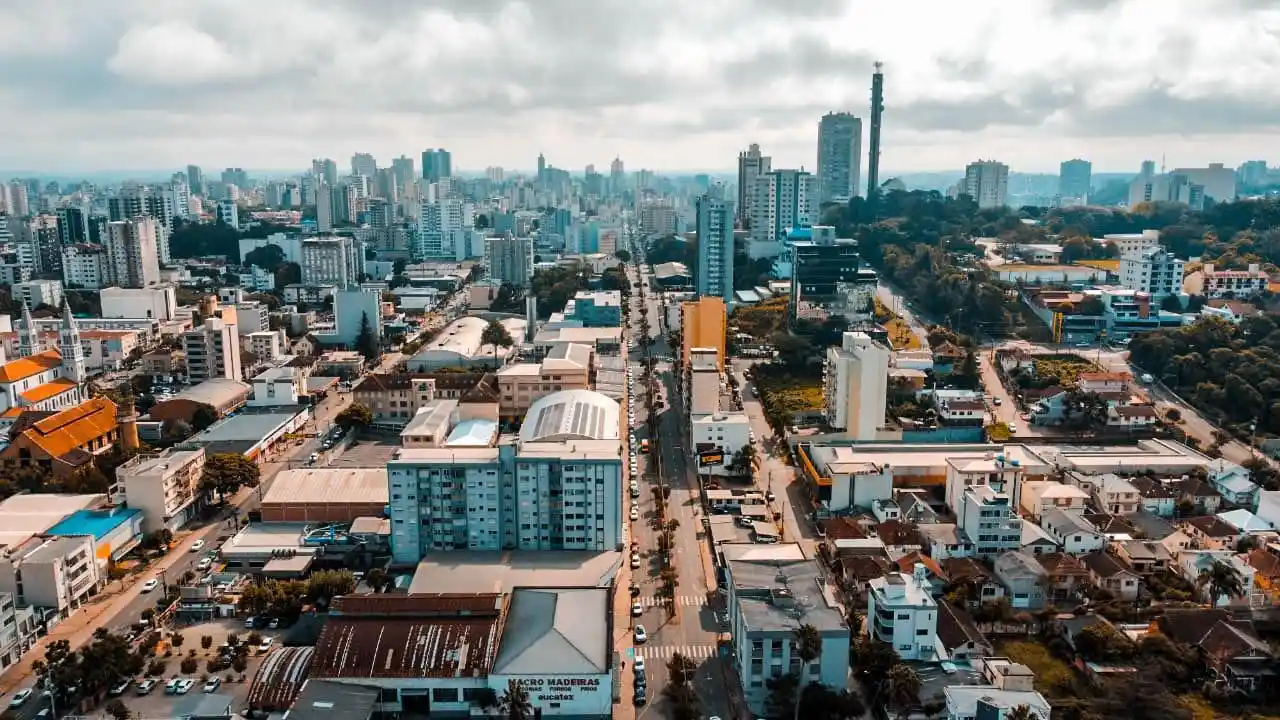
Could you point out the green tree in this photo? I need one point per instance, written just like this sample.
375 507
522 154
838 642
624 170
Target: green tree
1221 580
117 709
367 340
268 257
1021 712
378 580
325 585
482 222
623 255
206 641
679 689
354 415
59 669
515 704
202 417
496 336
225 473
904 689
807 646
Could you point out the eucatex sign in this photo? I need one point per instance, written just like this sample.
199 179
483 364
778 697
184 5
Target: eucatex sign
560 689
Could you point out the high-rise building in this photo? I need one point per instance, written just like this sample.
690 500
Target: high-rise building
828 277
195 179
19 205
617 175
325 170
438 224
713 277
877 116
1252 173
236 176
510 260
39 244
855 385
839 157
987 182
73 225
84 266
782 199
403 169
436 164
1148 169
331 260
133 254
1152 270
751 165
364 164
1074 179
213 349
494 173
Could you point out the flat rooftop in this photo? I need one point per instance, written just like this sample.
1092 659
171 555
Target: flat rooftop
760 580
23 516
245 426
98 523
329 486
481 572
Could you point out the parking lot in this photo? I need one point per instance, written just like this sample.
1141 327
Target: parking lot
365 453
158 704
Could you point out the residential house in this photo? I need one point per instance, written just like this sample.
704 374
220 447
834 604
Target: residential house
1131 417
1023 578
1192 563
961 411
959 635
902 613
1203 497
1036 540
1146 557
393 398
1115 495
1066 577
944 540
1158 498
1037 496
1265 562
913 506
1210 532
1233 482
1103 382
1112 527
933 572
1070 530
898 536
1230 646
1111 574
1006 685
1246 522
969 572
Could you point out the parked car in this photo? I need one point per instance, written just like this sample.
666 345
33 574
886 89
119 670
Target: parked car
185 685
146 686
637 609
251 622
150 585
212 685
197 545
171 687
118 689
640 634
265 645
20 697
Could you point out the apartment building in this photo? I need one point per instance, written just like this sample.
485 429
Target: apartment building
781 199
1154 271
987 182
394 399
266 345
17 630
555 486
213 350
902 613
713 275
772 591
85 266
165 487
566 367
855 385
331 260
132 253
1234 283
56 574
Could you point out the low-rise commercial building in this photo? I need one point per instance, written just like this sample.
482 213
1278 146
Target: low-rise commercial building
595 308
323 495
221 395
566 367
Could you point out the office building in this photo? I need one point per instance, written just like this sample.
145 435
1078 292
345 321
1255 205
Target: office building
436 164
595 308
902 613
195 179
364 164
828 276
751 165
1252 173
236 176
1218 181
782 199
772 591
713 275
84 266
325 170
132 253
987 182
556 486
213 349
73 225
1074 180
510 260
1152 270
1174 187
839 157
331 260
403 170
855 385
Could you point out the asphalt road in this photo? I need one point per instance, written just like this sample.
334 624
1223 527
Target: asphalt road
693 628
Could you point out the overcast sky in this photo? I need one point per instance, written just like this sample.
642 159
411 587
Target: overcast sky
95 85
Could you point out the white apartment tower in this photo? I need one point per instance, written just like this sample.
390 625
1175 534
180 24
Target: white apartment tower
782 199
213 351
331 260
987 182
856 384
839 156
510 260
438 220
1152 270
84 266
133 256
751 165
902 613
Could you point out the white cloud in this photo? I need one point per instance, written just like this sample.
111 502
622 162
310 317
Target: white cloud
662 83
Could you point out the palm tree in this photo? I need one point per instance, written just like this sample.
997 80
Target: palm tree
904 688
1021 712
1222 580
807 647
515 702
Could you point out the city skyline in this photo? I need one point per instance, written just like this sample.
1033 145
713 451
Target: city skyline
154 86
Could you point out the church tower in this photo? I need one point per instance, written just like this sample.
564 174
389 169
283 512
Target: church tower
69 345
27 336
127 420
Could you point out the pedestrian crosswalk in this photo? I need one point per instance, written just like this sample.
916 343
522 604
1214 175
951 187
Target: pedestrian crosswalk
664 652
682 600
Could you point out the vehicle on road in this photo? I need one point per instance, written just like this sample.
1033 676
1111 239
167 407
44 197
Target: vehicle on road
212 685
265 645
640 697
1147 379
996 401
150 585
640 634
1013 427
204 564
635 513
251 621
770 496
639 666
197 545
20 697
635 561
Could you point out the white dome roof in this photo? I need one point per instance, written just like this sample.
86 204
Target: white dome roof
572 415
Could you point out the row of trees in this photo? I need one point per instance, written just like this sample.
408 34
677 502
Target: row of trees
286 598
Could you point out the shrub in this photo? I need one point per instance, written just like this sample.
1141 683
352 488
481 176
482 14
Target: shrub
156 667
189 665
206 641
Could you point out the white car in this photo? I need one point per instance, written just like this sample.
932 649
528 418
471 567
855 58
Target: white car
195 546
635 561
1013 427
637 609
20 697
266 644
638 666
635 513
150 585
640 634
204 564
212 685
184 686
